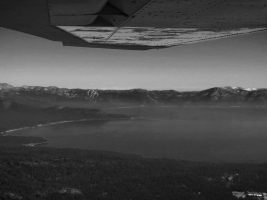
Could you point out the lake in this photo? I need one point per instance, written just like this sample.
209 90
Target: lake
207 133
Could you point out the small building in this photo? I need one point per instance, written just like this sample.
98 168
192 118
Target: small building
72 191
250 195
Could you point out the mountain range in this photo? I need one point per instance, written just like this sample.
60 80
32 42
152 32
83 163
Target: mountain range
138 96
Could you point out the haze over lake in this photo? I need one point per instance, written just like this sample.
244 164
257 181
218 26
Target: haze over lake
207 133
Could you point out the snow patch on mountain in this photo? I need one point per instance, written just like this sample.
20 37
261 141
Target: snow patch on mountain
251 89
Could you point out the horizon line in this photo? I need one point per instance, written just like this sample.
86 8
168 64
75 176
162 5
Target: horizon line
133 88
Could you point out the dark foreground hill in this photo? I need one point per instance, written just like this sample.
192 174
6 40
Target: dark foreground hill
54 174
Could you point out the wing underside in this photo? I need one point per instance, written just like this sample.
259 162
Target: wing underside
135 24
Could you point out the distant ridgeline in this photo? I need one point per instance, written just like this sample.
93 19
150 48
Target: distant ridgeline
36 95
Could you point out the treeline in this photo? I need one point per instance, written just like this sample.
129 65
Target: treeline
43 173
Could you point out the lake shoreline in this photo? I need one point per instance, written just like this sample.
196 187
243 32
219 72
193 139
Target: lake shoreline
11 131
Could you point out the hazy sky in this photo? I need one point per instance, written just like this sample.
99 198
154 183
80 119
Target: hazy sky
238 61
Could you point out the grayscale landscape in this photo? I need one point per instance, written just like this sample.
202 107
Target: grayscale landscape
218 124
216 137
133 100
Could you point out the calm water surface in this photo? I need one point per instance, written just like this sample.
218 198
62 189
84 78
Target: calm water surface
203 134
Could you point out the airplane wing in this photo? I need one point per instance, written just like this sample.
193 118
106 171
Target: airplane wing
133 24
